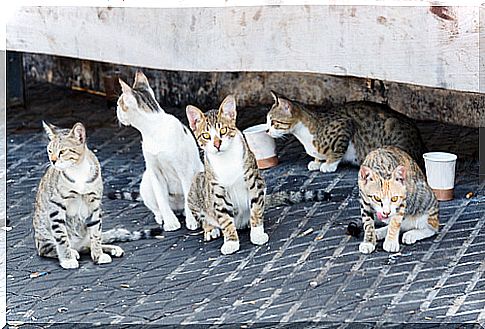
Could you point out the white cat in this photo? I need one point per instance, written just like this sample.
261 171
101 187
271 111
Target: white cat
170 152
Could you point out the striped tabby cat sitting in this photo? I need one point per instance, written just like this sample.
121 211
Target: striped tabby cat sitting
343 134
67 215
394 191
230 193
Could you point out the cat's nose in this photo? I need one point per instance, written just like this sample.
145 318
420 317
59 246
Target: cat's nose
386 214
217 143
53 161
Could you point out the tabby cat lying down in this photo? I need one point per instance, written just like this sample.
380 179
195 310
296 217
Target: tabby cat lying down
67 216
343 134
394 191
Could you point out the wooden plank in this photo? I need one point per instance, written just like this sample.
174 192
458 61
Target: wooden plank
437 48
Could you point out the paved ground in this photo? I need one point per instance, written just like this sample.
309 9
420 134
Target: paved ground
181 279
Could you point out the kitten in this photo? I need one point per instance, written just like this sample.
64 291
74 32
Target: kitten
393 189
343 134
170 152
67 216
230 193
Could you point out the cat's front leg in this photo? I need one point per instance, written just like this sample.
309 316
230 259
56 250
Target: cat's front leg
369 244
190 221
67 256
391 243
257 235
94 229
314 165
223 215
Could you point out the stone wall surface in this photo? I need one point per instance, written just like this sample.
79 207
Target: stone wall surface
206 89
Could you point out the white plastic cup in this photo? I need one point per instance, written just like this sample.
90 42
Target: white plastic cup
262 145
440 173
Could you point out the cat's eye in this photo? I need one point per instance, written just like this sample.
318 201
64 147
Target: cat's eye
394 198
49 151
206 135
223 131
377 198
61 152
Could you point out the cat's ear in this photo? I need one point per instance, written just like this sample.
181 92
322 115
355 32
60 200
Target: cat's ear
194 115
285 105
50 129
125 88
275 96
365 174
141 80
228 108
78 132
399 174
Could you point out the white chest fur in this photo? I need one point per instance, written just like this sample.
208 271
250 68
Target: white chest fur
302 133
229 169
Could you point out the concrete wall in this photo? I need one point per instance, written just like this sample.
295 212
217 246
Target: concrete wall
423 45
207 89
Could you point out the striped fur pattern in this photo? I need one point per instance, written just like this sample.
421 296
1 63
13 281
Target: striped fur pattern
343 134
170 152
230 193
67 217
393 190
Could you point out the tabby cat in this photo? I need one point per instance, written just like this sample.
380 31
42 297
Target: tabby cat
230 193
170 152
394 191
343 134
67 216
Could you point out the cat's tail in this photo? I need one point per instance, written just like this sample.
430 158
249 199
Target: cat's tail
123 235
124 195
284 198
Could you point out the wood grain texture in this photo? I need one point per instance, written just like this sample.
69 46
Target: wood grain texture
435 47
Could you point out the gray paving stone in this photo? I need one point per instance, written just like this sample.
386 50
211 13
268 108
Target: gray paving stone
180 279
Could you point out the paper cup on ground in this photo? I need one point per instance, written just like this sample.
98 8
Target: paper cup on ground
262 145
440 173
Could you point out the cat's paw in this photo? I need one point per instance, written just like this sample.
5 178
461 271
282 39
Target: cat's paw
366 247
314 165
391 245
230 247
191 223
75 254
329 167
104 259
258 236
69 263
171 225
116 251
409 238
212 234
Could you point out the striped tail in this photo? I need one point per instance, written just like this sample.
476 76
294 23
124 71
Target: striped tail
123 235
284 198
124 195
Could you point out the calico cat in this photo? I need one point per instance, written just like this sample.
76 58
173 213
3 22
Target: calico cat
343 134
230 193
394 191
171 155
67 216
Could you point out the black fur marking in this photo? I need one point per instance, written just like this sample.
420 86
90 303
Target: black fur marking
58 204
53 214
68 178
93 223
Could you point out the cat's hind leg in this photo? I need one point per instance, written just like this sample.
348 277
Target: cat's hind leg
154 193
424 229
